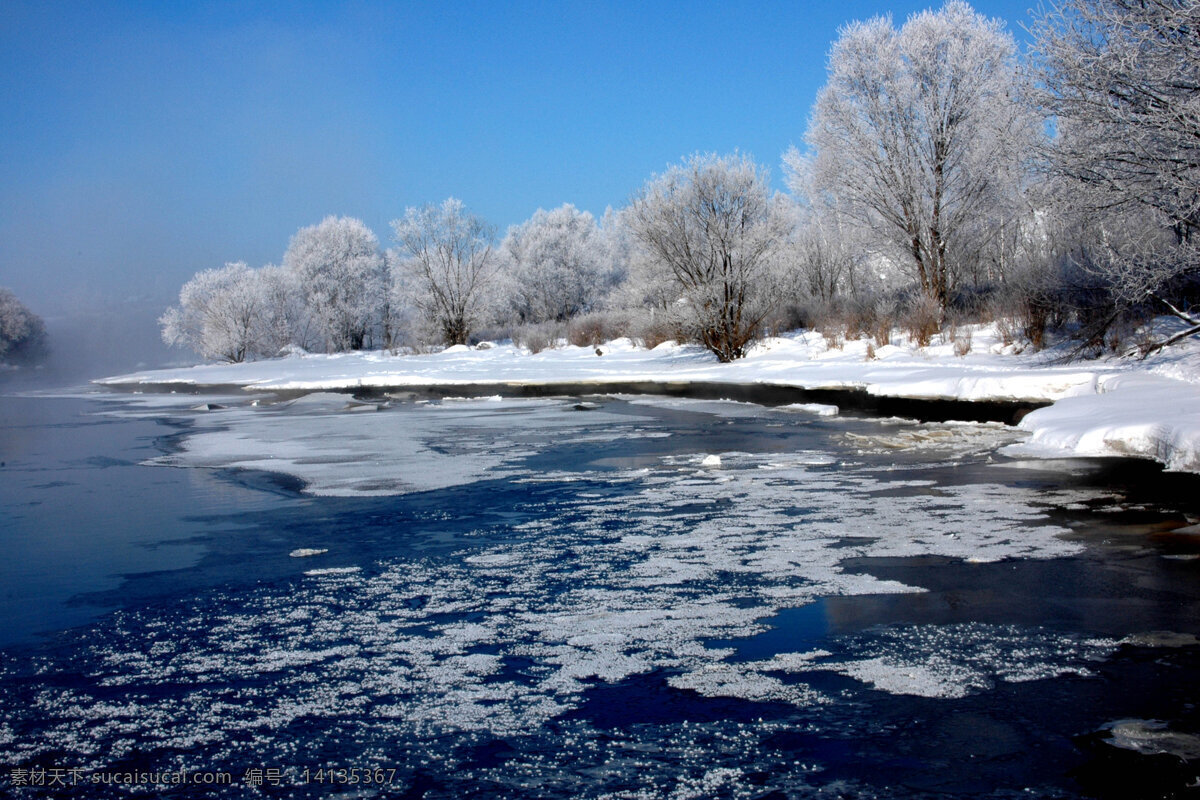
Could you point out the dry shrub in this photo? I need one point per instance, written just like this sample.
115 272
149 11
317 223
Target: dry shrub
962 338
538 337
882 332
922 320
1126 333
652 332
870 316
959 334
859 320
1035 320
870 351
1007 329
790 317
597 327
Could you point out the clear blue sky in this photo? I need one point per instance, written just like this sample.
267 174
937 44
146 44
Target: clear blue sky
141 142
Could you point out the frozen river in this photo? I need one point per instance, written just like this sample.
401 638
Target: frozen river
582 597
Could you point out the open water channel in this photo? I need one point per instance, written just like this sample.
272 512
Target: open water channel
601 597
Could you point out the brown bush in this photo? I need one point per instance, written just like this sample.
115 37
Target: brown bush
922 320
962 339
597 327
538 337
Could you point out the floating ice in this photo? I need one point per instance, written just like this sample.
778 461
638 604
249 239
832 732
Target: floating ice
1151 737
819 409
337 452
1161 639
308 552
636 577
958 660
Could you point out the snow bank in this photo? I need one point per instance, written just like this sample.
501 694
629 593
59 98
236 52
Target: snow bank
803 360
1138 414
1119 407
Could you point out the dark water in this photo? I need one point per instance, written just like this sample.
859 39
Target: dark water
546 599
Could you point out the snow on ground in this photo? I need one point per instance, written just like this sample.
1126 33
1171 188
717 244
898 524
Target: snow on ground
801 359
1134 413
1116 407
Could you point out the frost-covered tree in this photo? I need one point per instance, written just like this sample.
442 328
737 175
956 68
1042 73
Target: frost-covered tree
619 246
822 258
1121 80
555 265
284 318
712 225
645 284
341 273
22 333
921 133
448 264
220 315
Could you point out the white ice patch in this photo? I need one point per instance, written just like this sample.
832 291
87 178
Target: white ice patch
308 552
730 680
817 409
1151 737
138 405
413 449
958 660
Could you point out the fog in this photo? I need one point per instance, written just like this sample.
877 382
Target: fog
84 345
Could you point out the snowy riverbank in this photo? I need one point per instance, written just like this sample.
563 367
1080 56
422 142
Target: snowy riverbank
1114 407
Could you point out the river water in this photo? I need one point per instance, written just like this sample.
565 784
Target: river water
611 597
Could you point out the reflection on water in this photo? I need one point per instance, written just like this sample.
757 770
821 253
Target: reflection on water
77 511
637 599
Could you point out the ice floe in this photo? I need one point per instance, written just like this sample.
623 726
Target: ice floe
396 451
958 660
1152 737
653 571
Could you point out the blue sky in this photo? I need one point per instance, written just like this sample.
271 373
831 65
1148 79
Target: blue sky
142 142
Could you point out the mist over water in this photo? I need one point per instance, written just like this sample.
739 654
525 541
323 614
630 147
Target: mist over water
86 344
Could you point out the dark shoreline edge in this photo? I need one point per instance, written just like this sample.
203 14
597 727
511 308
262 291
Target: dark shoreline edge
850 401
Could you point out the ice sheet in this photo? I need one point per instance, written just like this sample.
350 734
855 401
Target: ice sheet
595 588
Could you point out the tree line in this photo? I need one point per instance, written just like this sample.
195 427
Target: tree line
944 178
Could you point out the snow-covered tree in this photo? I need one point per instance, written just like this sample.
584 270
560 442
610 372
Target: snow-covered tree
220 315
1121 80
341 273
555 265
712 225
22 333
646 285
619 246
921 133
448 265
284 319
